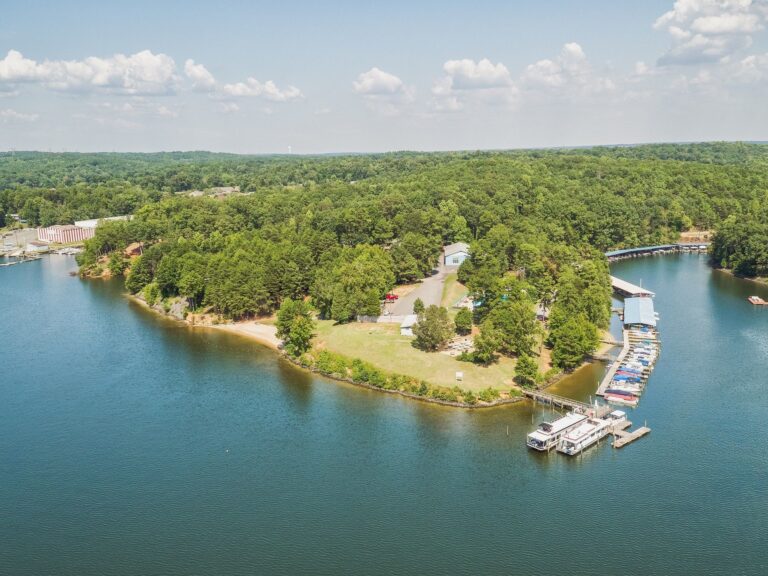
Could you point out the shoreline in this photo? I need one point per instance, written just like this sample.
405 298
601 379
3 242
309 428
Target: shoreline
755 279
264 334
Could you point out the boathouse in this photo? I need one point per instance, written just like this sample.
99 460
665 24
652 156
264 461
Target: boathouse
628 289
639 312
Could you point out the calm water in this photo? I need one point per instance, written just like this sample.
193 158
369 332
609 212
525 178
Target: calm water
131 445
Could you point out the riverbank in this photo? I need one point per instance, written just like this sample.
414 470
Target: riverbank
756 279
362 355
340 367
265 334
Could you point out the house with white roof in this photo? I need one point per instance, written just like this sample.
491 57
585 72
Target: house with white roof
454 254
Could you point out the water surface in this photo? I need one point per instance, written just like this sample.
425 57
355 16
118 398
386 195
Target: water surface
133 445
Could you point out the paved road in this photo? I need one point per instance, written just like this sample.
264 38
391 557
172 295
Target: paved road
430 291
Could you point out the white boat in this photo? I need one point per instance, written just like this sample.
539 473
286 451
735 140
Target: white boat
584 435
548 434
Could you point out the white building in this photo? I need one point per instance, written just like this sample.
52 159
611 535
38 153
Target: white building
65 234
455 254
94 222
406 326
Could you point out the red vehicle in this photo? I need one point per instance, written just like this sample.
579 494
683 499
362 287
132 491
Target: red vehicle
391 297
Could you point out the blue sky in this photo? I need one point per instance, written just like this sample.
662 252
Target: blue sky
372 76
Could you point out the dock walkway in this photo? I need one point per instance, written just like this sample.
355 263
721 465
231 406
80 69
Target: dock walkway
568 403
615 366
624 437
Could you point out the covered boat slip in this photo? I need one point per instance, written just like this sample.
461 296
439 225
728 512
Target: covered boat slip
639 311
625 288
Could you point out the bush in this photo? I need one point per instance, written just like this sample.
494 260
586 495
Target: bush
463 321
488 395
151 293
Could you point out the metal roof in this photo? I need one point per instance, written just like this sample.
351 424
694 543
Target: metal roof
455 248
629 288
639 311
625 251
641 249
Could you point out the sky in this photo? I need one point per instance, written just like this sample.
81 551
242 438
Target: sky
337 76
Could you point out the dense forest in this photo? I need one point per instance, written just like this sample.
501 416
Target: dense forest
345 229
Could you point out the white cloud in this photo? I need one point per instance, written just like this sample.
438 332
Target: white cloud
710 30
267 90
140 73
376 82
571 65
384 93
570 75
467 81
229 107
753 68
201 78
10 115
467 74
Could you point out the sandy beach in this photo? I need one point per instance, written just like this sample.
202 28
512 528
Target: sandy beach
263 333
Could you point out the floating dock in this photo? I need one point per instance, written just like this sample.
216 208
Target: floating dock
615 366
624 437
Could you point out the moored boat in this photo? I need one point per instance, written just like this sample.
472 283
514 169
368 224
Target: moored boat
548 434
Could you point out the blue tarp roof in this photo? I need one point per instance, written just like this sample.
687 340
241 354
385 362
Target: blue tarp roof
639 311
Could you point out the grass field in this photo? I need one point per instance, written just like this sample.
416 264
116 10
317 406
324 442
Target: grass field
384 347
453 291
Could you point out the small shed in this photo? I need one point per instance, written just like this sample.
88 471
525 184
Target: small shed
406 326
454 254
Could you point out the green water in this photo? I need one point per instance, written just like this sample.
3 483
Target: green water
132 445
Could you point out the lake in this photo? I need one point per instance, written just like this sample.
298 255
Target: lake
130 444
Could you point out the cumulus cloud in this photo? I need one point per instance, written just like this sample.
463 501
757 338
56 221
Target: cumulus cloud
140 73
710 30
383 92
569 73
10 115
201 78
267 90
467 74
376 82
467 80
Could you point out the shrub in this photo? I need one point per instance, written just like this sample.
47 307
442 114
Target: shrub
151 293
463 321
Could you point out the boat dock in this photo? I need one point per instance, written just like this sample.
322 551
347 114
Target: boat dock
615 255
567 403
628 289
622 437
615 366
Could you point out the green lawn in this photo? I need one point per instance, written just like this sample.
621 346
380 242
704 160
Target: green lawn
382 346
453 291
